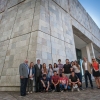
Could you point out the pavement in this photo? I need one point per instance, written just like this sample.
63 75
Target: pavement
87 94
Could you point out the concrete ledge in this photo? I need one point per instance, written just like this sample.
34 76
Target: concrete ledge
9 88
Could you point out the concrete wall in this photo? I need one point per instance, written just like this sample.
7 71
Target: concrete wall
84 52
39 29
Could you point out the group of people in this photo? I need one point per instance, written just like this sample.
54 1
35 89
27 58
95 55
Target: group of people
57 77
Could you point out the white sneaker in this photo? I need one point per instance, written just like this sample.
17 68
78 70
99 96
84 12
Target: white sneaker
72 89
28 92
31 92
78 89
53 90
62 91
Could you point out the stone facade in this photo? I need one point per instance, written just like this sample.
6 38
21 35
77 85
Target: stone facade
32 29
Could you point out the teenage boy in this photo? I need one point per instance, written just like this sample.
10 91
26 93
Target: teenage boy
74 81
67 68
60 66
44 83
63 82
55 82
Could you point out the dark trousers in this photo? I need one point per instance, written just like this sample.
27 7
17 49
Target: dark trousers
43 88
38 84
88 76
57 88
30 85
79 75
23 86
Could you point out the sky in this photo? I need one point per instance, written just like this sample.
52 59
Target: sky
93 9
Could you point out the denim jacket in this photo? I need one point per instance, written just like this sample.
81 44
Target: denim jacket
33 71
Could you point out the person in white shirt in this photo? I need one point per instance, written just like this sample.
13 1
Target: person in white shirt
56 68
87 72
50 71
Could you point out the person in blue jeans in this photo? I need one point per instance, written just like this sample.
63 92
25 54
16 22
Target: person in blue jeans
63 82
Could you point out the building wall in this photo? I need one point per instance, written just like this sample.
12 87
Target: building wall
32 29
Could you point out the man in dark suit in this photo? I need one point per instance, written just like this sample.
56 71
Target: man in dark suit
38 75
23 71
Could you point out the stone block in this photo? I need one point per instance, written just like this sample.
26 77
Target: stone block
24 19
70 52
95 30
79 13
12 3
3 4
44 55
7 23
3 51
1 14
63 4
16 55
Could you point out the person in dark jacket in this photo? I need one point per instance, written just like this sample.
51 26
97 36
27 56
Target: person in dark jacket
44 83
30 78
23 71
38 75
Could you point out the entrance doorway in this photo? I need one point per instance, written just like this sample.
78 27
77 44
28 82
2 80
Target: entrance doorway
78 55
80 50
79 58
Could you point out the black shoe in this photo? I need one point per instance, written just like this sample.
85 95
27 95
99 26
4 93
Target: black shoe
22 95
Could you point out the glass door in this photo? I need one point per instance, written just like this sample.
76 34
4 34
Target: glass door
79 59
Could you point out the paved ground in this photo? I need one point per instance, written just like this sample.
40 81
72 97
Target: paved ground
87 94
82 95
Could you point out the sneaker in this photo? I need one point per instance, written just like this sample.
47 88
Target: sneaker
72 89
53 90
31 92
62 91
78 89
81 88
27 92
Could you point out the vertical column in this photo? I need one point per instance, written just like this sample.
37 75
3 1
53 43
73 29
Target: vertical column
90 51
84 52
